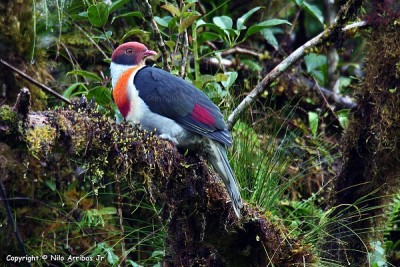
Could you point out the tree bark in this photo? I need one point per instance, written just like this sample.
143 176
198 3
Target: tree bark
371 150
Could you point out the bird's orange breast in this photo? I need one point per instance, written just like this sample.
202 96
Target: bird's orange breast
120 91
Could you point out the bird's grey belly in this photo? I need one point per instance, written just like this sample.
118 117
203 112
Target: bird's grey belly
169 129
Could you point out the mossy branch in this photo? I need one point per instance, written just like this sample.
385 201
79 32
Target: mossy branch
370 151
200 224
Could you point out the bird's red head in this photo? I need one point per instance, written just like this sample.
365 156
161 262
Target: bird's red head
131 54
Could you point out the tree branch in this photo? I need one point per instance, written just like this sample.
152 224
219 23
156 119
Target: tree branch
280 68
38 84
148 15
241 50
341 101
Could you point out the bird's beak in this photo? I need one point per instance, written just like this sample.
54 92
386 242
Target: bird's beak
149 53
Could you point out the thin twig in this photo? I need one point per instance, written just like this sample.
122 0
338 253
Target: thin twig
325 100
148 15
279 69
338 100
241 50
71 57
121 218
195 44
185 54
90 39
38 84
342 101
332 56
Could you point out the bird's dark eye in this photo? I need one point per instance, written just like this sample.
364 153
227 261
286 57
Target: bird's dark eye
128 51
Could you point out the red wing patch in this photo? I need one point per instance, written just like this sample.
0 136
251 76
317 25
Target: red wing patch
202 115
120 91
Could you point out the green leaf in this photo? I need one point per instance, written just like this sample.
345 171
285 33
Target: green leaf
313 121
223 22
207 36
98 249
197 84
242 20
107 211
170 44
74 8
220 77
51 185
111 257
163 21
231 32
133 264
265 24
311 9
101 95
70 90
200 22
104 36
207 78
214 90
118 116
213 27
314 11
173 22
232 76
270 38
314 61
107 34
172 9
343 117
117 4
251 64
129 14
98 14
133 32
86 74
187 22
157 254
188 6
318 75
83 14
344 82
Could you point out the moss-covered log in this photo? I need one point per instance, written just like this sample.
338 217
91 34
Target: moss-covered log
201 227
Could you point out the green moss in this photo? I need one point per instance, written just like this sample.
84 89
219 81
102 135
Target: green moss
41 139
9 121
7 114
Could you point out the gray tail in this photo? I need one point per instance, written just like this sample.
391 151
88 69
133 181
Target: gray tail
217 156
